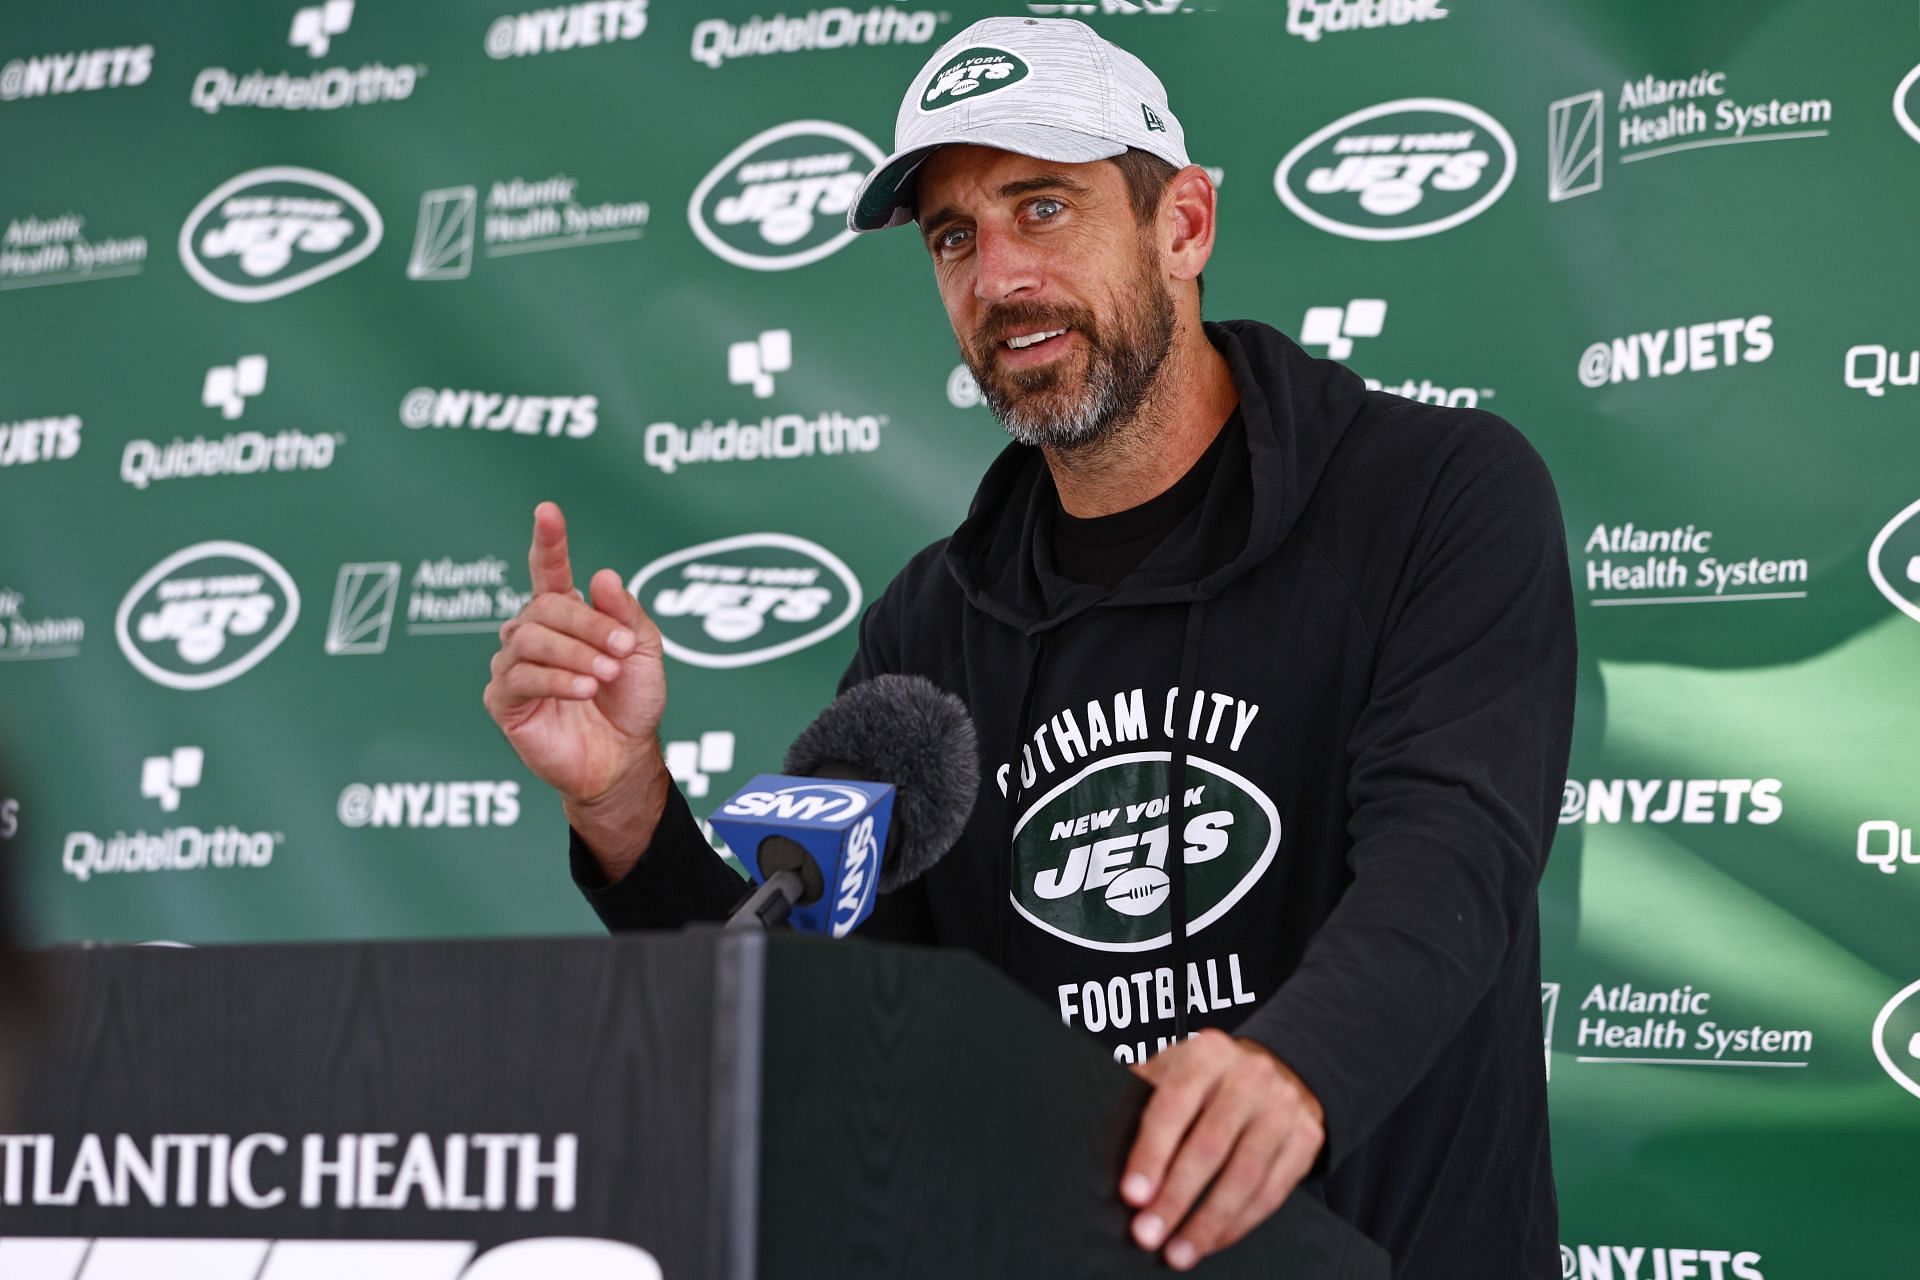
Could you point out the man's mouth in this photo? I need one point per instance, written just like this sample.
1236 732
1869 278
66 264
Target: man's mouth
1036 342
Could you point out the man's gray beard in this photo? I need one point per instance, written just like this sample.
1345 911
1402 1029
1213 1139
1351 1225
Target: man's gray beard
1118 383
1089 420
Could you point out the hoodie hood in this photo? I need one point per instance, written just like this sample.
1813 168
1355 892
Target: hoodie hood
1295 409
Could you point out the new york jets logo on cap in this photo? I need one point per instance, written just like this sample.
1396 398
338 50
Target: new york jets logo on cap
970 74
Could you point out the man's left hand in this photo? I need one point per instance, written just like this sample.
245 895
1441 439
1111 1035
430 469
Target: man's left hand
1227 1112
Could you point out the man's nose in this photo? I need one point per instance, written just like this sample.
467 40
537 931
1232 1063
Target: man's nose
1005 266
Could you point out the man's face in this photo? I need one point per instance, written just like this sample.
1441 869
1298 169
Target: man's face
1054 289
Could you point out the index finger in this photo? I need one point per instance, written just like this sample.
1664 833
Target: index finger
547 558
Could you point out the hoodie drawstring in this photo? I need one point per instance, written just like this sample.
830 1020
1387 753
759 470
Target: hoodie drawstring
1177 841
1177 804
1016 791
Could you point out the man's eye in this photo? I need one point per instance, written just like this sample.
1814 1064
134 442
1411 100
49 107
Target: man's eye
1046 206
949 239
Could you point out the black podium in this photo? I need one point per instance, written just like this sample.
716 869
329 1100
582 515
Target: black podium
694 1104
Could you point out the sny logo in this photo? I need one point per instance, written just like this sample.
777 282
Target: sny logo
228 385
315 28
753 364
1335 327
163 778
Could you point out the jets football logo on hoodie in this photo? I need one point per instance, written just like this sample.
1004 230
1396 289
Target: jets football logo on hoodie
1093 857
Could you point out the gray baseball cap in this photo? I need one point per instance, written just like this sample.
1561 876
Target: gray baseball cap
1043 87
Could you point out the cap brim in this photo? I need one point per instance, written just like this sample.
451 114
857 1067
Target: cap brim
886 198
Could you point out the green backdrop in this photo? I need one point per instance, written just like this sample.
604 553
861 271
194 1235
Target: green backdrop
303 308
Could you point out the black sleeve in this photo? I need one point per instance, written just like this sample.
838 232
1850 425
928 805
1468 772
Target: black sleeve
678 880
1458 760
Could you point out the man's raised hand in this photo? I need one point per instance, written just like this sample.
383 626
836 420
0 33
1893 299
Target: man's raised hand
578 688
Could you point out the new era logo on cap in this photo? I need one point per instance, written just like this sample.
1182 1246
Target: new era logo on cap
970 73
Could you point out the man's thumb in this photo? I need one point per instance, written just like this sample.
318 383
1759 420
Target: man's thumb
610 597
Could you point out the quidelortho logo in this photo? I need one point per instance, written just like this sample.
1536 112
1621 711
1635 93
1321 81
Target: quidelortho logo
206 614
1335 328
1692 801
1873 368
24 638
269 232
1893 561
30 440
163 778
694 761
968 75
1398 170
1660 117
1896 1038
1886 845
1649 1262
39 252
428 805
445 597
748 599
533 1258
521 217
566 27
574 417
49 73
228 386
1679 565
315 27
753 363
1667 353
243 453
1091 855
669 446
313 30
1906 104
1311 19
717 41
779 200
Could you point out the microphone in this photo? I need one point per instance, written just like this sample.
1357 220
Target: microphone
876 790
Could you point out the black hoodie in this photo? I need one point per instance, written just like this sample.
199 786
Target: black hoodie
1354 663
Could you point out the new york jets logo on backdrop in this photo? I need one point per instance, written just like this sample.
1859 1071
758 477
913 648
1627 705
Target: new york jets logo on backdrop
779 200
971 74
747 599
268 232
1896 1038
1093 857
1894 561
206 614
1414 167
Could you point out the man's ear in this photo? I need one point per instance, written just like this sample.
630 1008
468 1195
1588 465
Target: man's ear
1185 222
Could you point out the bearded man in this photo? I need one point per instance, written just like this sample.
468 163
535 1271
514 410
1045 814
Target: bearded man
1273 679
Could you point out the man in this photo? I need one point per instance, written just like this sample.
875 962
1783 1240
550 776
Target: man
1272 675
